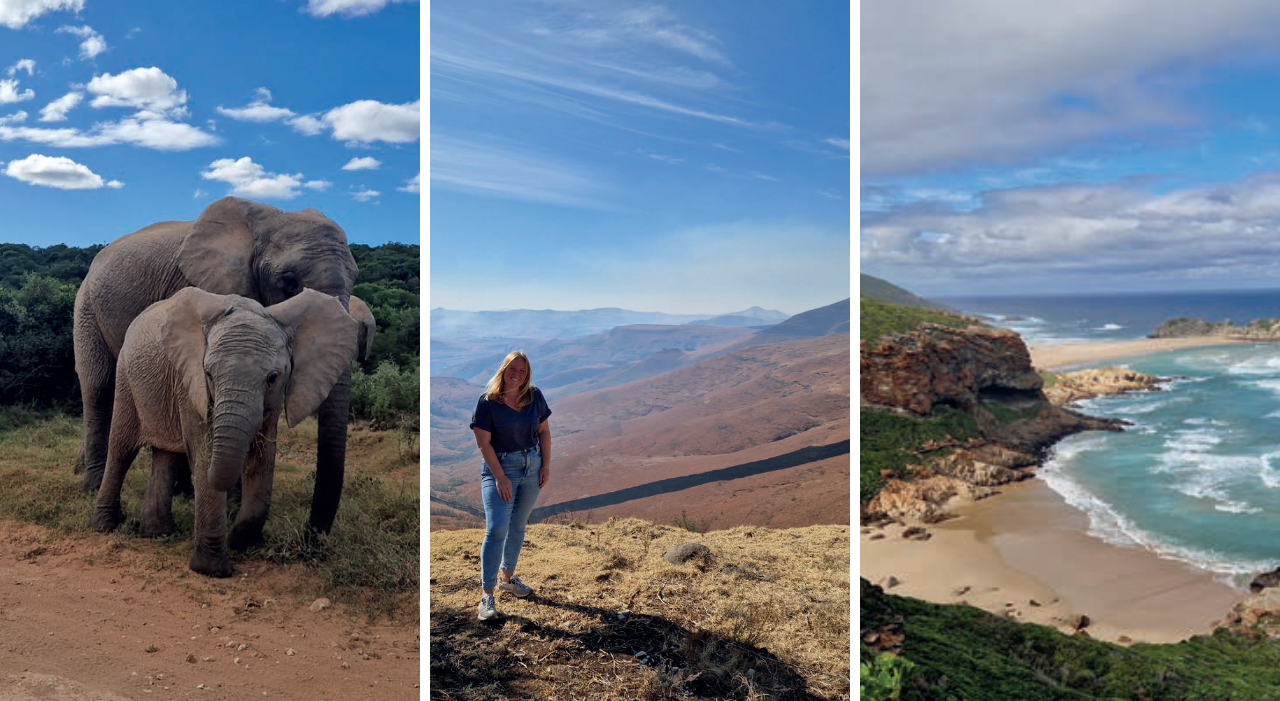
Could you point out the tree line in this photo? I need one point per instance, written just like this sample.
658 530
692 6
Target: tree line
37 299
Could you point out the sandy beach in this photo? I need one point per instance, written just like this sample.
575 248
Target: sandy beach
1027 554
1060 355
1028 544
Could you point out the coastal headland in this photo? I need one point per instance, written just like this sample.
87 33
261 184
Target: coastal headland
1027 555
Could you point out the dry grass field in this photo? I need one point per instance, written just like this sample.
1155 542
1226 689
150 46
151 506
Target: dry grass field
765 614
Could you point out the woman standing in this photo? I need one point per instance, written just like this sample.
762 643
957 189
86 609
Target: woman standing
510 423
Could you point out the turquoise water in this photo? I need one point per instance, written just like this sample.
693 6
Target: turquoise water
1197 477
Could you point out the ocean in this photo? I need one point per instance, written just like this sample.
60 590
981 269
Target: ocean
1196 478
1113 317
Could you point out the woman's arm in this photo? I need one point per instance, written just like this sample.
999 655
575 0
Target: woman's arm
491 458
544 447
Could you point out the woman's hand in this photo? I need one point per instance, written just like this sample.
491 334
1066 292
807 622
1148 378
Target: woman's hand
544 476
504 486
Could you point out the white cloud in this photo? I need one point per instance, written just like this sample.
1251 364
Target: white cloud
259 110
412 185
199 194
666 159
306 124
249 179
144 88
319 185
830 195
1076 236
1008 81
837 142
24 64
57 110
15 14
365 163
92 44
365 195
368 120
348 8
19 116
762 176
56 171
9 92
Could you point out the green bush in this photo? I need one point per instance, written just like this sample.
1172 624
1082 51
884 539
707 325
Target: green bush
883 677
37 359
388 396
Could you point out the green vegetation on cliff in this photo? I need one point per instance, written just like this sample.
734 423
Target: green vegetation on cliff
887 436
879 320
958 651
870 287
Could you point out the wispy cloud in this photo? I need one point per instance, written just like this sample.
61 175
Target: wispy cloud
16 15
503 170
91 42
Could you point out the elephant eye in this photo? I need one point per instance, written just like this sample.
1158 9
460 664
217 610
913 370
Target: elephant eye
271 379
289 283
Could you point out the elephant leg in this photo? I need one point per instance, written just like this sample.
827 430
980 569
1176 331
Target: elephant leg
182 485
157 508
331 453
96 368
255 500
121 450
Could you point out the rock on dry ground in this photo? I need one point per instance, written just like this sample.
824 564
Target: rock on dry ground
88 619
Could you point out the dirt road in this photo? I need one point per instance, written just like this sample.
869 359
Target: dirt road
87 618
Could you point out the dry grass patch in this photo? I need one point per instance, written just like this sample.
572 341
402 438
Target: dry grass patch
764 615
369 561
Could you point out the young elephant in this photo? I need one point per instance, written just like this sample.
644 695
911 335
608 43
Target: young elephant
208 375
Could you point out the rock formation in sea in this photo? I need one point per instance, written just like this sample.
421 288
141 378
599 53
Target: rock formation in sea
1256 330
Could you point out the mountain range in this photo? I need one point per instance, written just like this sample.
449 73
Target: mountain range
732 425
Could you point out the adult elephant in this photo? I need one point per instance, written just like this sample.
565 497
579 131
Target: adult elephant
235 247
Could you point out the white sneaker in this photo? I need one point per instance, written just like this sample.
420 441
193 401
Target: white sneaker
515 586
487 608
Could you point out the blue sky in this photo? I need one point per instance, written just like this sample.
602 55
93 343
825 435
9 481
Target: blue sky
117 115
1015 148
679 157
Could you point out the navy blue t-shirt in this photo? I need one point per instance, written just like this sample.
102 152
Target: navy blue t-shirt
511 430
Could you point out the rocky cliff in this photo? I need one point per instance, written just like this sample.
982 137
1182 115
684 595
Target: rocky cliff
1256 330
985 373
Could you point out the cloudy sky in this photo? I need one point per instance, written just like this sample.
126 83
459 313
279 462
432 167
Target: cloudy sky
1013 148
117 115
678 157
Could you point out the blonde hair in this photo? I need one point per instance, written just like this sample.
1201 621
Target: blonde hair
494 389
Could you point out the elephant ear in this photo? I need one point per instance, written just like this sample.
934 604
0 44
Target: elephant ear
323 343
217 253
183 323
364 317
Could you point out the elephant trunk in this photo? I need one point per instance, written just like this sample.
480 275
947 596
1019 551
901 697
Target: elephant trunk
235 422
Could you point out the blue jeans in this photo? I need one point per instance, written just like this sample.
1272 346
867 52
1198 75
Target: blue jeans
505 520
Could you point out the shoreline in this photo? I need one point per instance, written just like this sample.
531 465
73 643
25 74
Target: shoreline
1056 356
1027 554
1026 544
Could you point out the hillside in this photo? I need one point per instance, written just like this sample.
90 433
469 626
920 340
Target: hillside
833 318
879 290
754 404
765 614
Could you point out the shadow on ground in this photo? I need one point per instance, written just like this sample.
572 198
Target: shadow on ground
549 647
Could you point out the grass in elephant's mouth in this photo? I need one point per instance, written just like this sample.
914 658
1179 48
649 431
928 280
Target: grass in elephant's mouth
369 561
